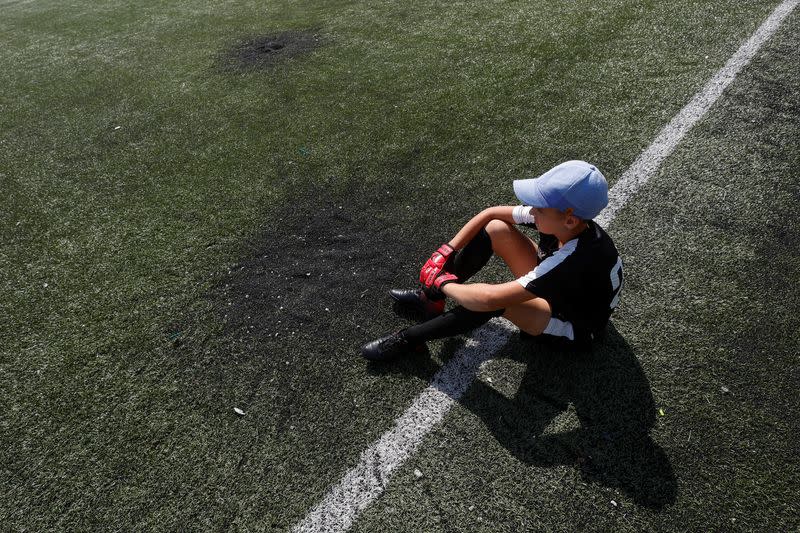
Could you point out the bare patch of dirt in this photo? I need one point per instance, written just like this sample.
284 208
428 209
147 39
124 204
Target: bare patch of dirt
265 51
318 267
308 291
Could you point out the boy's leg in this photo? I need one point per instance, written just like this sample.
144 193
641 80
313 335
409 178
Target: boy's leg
501 238
473 257
517 251
497 237
535 319
418 304
531 317
456 321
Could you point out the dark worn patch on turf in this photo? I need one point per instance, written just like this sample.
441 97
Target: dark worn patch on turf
320 265
310 289
265 51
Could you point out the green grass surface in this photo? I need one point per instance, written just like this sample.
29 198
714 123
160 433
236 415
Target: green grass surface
137 173
710 303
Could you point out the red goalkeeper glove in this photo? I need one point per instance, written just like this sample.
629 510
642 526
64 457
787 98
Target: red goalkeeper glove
435 290
434 265
443 279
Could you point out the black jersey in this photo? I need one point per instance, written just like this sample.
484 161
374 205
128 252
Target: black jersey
581 281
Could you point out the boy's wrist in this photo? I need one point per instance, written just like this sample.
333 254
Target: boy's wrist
523 214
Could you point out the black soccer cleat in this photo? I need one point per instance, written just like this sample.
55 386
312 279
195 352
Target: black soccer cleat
389 347
415 304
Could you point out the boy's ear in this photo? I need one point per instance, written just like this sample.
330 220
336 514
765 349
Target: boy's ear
571 220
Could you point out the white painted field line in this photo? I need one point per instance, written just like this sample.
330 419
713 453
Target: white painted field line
648 162
364 483
361 485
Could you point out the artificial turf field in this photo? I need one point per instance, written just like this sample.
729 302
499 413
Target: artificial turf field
186 230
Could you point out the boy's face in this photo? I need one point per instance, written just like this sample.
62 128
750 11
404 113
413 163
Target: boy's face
553 221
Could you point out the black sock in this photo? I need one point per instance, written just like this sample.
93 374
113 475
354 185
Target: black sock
454 322
473 257
467 261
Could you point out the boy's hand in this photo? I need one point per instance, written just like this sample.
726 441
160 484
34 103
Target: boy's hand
434 265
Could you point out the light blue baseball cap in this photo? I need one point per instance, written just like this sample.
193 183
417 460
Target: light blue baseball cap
573 184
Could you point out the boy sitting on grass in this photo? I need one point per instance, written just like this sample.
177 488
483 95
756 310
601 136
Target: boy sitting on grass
564 290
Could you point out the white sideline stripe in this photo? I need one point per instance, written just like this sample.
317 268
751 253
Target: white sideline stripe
362 484
648 162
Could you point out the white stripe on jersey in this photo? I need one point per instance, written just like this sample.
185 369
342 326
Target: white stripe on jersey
550 263
560 328
523 214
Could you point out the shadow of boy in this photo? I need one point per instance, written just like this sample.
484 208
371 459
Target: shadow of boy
613 405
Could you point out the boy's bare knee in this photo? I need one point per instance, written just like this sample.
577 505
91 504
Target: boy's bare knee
506 239
497 226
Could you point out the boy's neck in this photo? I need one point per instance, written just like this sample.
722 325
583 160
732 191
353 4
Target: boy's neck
568 235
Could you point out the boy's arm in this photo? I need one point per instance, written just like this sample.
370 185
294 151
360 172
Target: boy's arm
510 214
471 228
486 297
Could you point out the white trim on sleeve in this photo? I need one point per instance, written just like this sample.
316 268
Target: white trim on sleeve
550 263
527 278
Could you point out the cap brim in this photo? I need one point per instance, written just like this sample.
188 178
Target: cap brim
529 193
